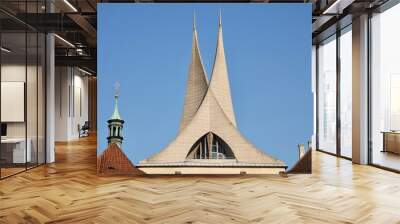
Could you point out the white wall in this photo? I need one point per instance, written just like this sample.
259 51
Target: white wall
16 73
10 73
71 103
33 126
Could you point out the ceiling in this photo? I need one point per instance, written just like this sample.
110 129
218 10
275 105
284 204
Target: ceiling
75 22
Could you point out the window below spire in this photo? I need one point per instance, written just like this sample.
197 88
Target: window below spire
210 146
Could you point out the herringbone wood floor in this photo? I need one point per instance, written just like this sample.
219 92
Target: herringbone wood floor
70 192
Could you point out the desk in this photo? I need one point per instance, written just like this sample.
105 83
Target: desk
391 142
16 153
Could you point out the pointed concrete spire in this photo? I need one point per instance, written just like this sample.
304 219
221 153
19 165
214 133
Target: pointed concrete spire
208 112
219 83
197 82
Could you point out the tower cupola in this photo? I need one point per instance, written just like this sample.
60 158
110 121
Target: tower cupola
115 123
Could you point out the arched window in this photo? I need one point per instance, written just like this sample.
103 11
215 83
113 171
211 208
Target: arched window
210 146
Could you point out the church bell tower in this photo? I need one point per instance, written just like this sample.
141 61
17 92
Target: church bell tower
115 123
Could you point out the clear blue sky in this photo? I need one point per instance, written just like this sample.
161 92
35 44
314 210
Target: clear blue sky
147 47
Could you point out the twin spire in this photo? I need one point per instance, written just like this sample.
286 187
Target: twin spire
208 116
198 84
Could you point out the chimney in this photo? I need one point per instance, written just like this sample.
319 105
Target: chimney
301 150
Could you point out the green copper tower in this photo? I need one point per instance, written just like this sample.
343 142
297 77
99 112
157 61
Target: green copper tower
115 123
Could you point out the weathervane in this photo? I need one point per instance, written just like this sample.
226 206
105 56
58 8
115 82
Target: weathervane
116 89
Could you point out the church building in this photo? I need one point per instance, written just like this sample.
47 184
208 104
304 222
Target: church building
208 141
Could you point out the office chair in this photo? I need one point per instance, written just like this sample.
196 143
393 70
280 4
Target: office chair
84 130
